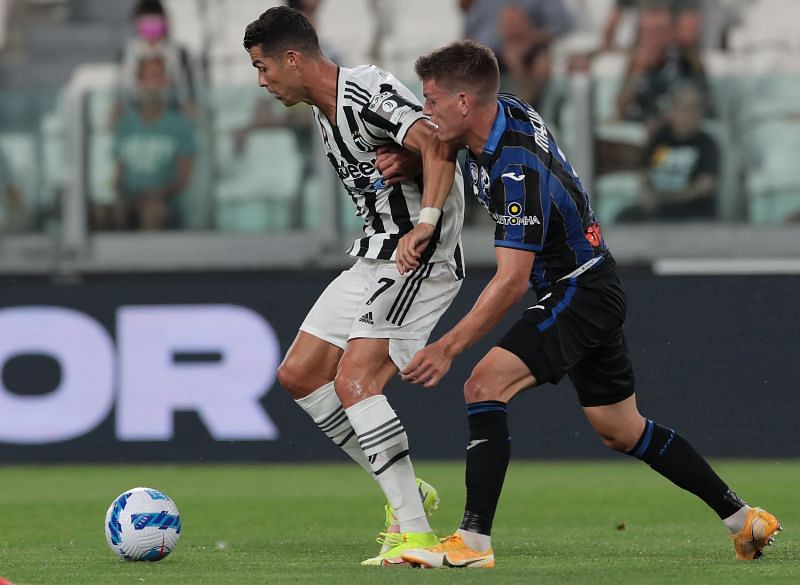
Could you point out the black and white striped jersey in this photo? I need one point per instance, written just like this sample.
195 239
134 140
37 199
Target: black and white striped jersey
372 109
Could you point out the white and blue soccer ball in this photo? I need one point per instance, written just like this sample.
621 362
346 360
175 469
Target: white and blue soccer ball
143 524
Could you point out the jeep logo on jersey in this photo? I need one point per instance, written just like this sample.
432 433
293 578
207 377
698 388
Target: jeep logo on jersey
355 171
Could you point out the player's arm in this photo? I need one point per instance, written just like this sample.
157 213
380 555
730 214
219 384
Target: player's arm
396 164
438 174
505 289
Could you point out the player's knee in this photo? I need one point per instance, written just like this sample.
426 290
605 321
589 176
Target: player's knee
291 377
618 440
477 389
351 388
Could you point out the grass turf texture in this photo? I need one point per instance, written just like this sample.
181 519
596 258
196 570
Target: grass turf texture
607 522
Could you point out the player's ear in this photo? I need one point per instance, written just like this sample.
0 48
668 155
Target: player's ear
291 60
464 103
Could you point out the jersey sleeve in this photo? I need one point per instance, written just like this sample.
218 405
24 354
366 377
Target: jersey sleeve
391 111
521 211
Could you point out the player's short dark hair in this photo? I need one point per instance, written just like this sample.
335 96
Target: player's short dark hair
463 65
147 7
281 29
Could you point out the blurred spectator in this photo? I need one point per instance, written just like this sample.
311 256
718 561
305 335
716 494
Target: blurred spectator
548 19
659 62
683 16
526 54
681 166
152 40
307 7
15 217
154 149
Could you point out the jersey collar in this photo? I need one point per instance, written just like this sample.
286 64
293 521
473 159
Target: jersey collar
498 128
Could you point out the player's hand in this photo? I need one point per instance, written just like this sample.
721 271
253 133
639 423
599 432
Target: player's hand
396 164
428 366
411 246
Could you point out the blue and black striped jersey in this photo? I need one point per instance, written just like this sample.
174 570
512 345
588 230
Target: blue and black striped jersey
535 197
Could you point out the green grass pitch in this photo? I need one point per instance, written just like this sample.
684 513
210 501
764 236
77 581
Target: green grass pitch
597 523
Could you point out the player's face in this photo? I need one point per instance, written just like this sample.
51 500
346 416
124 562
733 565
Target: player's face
277 77
444 109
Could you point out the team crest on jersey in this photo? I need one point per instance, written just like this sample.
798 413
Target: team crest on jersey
389 106
378 102
479 178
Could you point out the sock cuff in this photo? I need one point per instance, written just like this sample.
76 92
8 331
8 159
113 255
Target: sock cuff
644 441
376 424
360 408
654 442
320 394
486 406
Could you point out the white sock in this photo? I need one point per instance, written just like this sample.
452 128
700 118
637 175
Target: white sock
385 443
325 408
735 522
475 541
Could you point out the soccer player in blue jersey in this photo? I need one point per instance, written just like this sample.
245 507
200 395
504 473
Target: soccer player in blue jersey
546 238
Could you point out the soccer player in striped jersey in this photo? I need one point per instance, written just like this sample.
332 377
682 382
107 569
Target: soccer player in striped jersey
547 238
370 320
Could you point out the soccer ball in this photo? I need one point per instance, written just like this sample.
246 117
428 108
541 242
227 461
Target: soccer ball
143 524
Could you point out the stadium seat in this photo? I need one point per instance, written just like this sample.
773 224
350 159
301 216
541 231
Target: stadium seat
614 192
100 104
93 76
767 24
101 168
19 150
407 35
186 24
257 191
5 9
608 72
225 22
53 163
773 179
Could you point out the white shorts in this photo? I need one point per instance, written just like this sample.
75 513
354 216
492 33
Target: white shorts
372 299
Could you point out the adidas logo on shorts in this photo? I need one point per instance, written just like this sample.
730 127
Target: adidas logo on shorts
367 318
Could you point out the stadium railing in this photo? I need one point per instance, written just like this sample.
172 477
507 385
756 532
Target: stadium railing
264 196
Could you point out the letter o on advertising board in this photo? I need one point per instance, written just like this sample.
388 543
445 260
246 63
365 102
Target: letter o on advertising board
85 394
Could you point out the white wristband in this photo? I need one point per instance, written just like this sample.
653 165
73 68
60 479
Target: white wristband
429 215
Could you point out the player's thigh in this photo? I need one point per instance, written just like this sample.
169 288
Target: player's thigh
604 375
619 425
500 375
310 363
543 337
404 309
313 358
332 316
